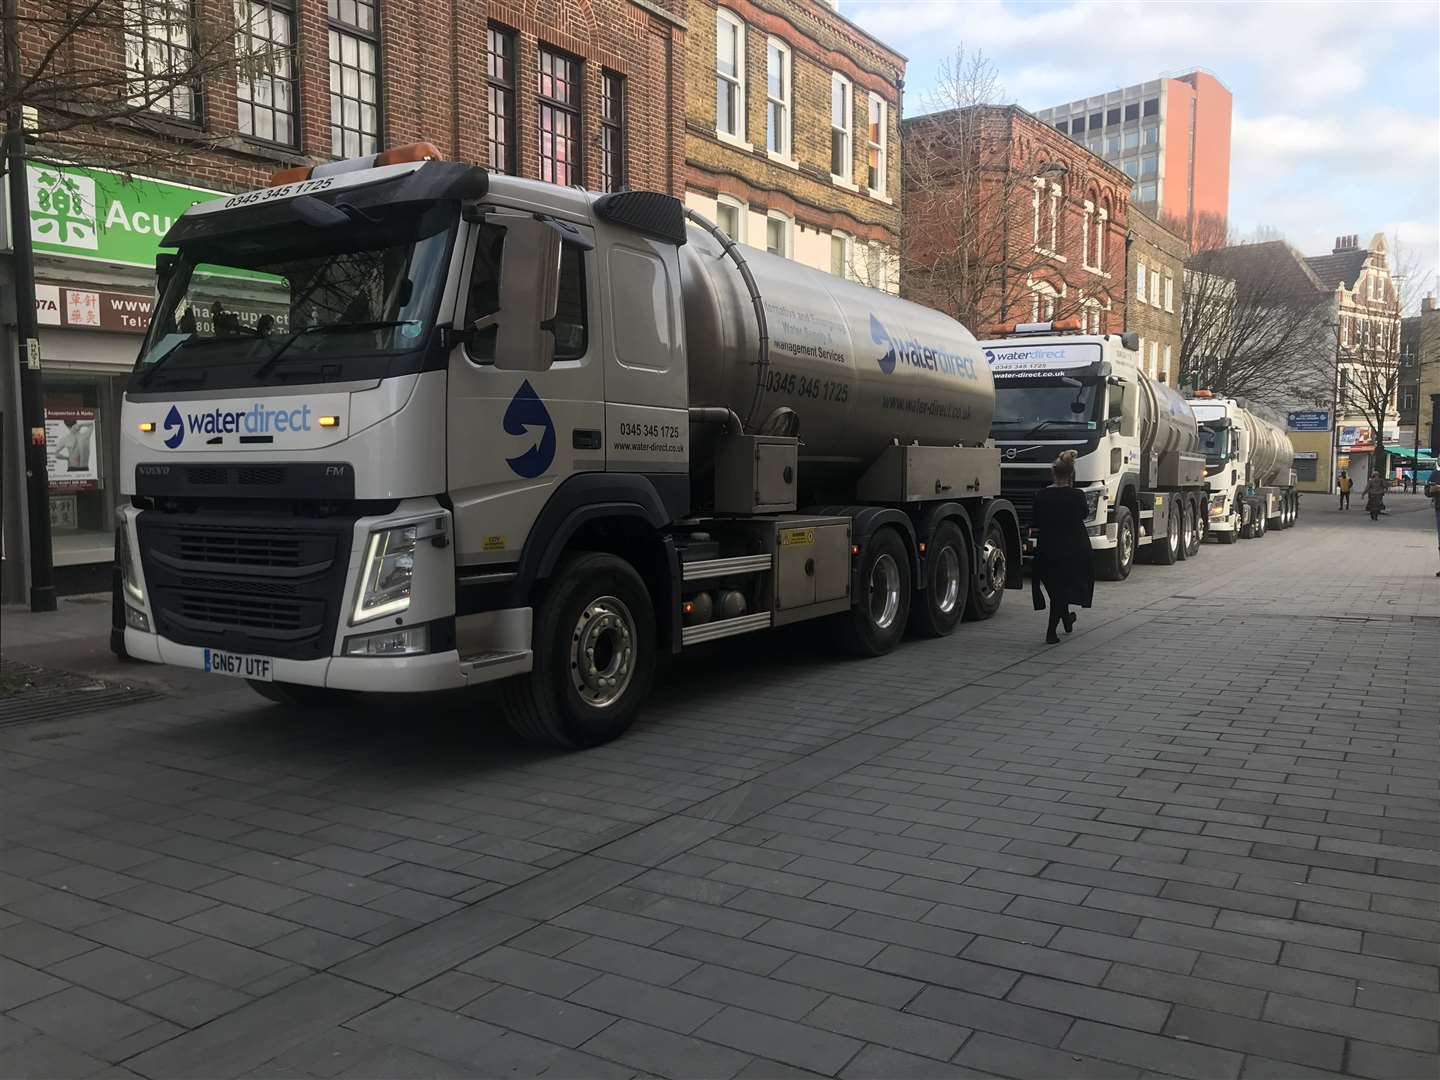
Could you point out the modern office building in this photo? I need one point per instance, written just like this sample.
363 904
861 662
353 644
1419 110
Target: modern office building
1171 136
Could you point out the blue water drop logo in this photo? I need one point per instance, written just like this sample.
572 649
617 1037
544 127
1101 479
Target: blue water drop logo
880 336
526 413
174 420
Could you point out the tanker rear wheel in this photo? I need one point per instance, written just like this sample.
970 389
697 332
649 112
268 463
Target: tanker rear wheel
1164 551
876 620
987 583
936 611
1190 530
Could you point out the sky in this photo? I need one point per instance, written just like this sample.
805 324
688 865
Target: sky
1336 105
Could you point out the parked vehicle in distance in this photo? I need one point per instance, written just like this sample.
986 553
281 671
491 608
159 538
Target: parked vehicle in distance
1137 444
400 424
1249 468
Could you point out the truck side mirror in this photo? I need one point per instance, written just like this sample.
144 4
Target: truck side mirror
529 295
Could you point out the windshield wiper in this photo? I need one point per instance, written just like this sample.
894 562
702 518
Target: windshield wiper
1046 423
190 341
327 328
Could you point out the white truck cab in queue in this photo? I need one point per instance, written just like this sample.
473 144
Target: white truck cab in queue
1136 441
400 424
1249 468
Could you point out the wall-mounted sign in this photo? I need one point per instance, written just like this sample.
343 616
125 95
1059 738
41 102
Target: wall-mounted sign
1349 436
1309 420
106 216
92 309
72 449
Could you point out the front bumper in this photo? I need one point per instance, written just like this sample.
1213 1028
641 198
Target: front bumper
390 674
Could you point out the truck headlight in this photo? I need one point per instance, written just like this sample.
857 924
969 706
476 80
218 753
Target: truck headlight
129 576
1092 503
410 641
1217 506
384 586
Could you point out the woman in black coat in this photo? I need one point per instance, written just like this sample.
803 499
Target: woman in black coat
1063 564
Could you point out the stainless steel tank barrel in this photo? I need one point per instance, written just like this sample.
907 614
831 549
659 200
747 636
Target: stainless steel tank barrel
862 369
1166 423
1270 451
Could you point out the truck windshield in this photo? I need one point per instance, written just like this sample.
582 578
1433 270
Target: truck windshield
1215 442
295 303
1021 409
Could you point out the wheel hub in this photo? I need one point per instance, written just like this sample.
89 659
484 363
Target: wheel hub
602 651
884 592
992 567
948 581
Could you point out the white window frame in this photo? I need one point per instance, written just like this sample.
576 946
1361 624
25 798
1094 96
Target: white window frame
1037 186
1056 198
738 80
841 83
883 146
786 102
1102 219
847 258
1085 235
1043 302
878 261
786 230
1154 358
1142 354
1167 363
1169 292
1155 288
742 214
1140 280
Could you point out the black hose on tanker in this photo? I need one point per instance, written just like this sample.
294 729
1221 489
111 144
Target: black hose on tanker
732 250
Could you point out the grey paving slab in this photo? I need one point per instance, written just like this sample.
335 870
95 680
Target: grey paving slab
977 856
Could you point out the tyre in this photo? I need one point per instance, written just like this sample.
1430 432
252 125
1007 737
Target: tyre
594 643
936 611
1194 524
300 695
1261 525
1247 522
987 584
876 622
1202 521
1164 551
1226 537
1115 564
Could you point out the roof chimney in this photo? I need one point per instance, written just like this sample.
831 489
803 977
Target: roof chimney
1341 243
1428 304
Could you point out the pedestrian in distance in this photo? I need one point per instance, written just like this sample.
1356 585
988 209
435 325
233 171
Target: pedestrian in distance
1375 496
1345 484
1064 566
1432 492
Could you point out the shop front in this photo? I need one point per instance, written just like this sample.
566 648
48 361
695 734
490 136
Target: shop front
95 236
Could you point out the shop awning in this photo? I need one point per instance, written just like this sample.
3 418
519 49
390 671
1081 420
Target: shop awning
1427 456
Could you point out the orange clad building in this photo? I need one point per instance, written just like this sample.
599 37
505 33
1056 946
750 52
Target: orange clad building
1171 136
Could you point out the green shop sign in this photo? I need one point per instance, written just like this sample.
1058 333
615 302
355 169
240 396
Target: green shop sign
104 216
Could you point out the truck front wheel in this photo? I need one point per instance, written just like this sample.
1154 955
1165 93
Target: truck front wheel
877 621
1115 564
594 656
936 611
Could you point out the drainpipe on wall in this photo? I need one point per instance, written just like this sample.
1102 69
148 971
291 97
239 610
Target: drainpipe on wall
1125 314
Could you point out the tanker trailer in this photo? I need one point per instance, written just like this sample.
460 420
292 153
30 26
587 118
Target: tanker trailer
400 424
1136 441
1249 468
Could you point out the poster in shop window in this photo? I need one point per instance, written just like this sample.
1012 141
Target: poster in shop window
72 449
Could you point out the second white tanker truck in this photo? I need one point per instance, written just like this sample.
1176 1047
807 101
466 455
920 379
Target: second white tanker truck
1249 468
1138 449
401 425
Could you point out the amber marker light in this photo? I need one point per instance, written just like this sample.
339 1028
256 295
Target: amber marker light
147 426
329 421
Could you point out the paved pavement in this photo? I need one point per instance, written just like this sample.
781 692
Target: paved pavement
1196 839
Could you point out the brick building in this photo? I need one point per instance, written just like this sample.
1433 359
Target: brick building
582 92
792 136
1153 300
1006 221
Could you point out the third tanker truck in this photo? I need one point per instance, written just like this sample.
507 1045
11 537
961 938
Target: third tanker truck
1249 468
400 424
1138 449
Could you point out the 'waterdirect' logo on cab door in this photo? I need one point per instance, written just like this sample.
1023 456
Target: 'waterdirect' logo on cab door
525 414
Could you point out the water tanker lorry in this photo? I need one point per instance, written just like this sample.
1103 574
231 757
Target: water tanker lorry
1137 445
402 425
1249 468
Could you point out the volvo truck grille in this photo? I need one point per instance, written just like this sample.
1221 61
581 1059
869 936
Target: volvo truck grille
248 583
1019 483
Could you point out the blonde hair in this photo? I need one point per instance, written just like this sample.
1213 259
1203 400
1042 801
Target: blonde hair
1064 467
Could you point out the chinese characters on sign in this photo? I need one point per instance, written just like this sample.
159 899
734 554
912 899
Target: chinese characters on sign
92 309
72 449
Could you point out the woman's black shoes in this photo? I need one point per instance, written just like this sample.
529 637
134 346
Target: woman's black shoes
1069 621
1051 638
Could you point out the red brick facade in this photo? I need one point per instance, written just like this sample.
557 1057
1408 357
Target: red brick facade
982 189
433 87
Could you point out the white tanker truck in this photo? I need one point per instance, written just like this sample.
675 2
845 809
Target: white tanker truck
1249 468
402 425
1138 449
